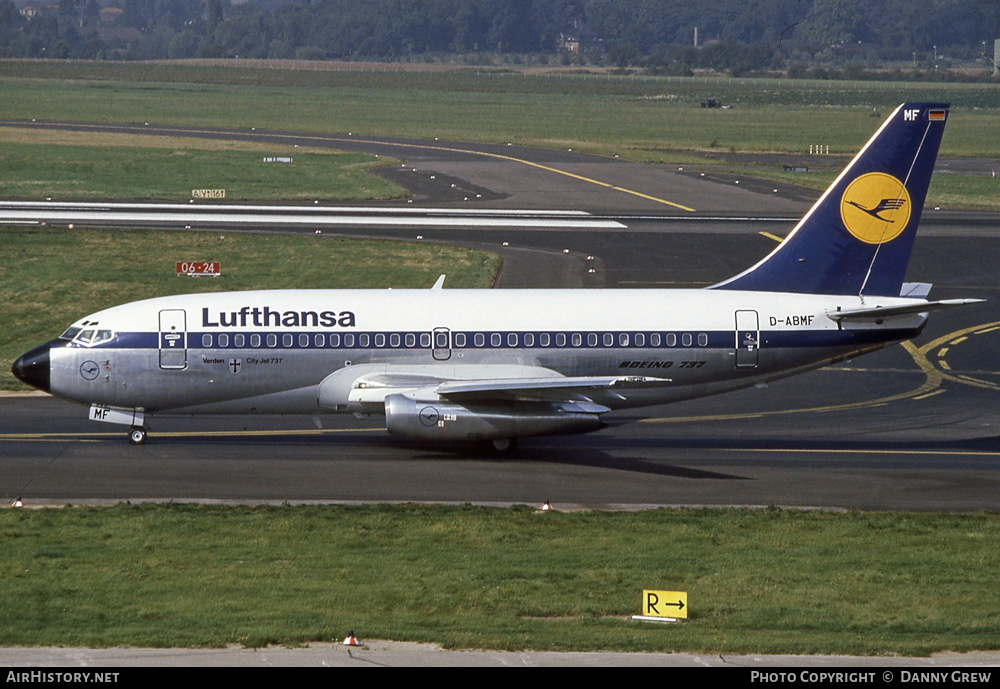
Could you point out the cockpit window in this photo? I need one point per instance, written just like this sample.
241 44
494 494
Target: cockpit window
70 333
90 337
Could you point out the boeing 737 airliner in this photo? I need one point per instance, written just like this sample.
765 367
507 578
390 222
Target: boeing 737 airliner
496 365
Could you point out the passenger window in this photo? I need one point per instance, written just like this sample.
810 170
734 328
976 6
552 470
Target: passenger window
223 340
577 339
544 339
411 339
380 340
206 340
363 340
592 340
480 339
640 340
702 339
459 339
529 340
623 339
239 340
334 340
394 340
319 340
255 340
686 339
654 340
495 339
512 339
671 340
287 340
303 340
609 340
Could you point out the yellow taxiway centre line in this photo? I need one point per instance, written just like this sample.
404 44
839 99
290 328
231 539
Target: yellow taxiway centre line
113 435
836 451
523 162
930 387
773 236
425 147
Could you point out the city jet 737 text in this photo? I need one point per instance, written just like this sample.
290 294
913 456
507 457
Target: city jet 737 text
492 366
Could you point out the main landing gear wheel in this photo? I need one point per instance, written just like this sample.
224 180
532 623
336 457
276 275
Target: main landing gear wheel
137 435
504 445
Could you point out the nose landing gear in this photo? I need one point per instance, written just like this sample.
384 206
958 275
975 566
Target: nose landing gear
137 435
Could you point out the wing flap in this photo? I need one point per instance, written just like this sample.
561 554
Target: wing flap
562 388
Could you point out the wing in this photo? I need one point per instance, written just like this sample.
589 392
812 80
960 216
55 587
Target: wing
492 403
365 387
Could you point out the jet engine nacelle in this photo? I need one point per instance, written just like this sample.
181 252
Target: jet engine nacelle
439 420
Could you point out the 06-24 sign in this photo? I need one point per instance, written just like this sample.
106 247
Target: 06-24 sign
196 268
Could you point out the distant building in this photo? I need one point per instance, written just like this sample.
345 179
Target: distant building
580 41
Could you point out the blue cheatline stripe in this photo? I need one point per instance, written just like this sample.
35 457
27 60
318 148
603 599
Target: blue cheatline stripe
521 339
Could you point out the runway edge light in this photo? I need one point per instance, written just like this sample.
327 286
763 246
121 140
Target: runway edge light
663 606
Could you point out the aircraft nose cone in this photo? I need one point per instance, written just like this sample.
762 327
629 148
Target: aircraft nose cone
33 368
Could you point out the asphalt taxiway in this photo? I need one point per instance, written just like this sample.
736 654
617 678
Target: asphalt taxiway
912 427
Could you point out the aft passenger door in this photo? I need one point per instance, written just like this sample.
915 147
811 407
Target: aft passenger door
747 339
173 339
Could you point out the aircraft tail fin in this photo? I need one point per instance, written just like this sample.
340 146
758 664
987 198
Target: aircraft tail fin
857 238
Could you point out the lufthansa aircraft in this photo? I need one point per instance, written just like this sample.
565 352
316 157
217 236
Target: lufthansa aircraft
496 365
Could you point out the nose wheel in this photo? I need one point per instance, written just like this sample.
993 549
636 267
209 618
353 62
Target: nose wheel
137 435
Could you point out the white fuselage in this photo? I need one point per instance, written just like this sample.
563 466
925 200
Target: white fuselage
304 351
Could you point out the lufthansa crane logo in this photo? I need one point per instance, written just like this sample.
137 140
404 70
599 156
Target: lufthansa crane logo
875 208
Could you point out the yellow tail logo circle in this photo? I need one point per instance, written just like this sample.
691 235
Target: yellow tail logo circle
875 208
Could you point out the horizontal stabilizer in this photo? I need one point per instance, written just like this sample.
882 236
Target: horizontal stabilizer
880 312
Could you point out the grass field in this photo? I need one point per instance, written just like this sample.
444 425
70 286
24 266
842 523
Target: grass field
75 166
641 118
766 581
51 277
646 114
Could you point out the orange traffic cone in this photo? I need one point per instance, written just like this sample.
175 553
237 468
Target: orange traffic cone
352 640
17 502
546 507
